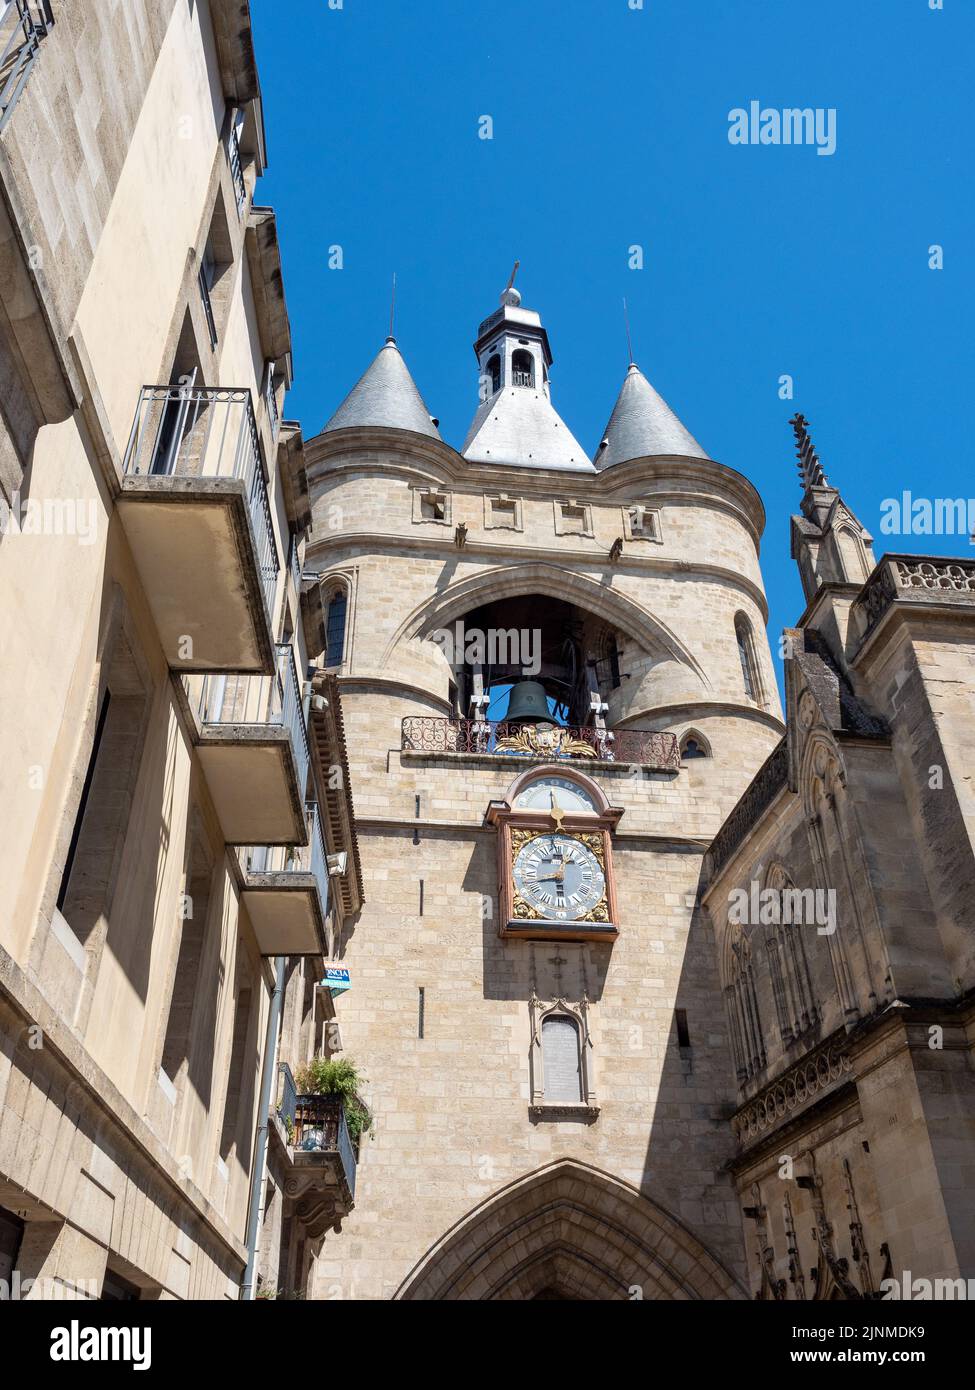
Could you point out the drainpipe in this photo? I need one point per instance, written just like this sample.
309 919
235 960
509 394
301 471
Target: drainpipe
255 1201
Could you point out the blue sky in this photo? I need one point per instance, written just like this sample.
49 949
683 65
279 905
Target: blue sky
611 129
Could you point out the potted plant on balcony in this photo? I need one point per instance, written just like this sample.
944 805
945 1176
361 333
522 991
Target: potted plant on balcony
325 1076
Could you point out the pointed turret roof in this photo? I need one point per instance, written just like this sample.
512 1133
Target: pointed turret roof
642 424
385 396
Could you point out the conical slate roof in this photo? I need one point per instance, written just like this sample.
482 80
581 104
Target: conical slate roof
385 395
642 424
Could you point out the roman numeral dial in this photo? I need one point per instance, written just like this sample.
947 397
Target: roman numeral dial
560 877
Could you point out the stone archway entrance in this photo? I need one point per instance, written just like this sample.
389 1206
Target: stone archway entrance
568 1231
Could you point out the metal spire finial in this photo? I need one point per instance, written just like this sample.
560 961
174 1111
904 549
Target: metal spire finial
629 343
392 311
509 295
810 469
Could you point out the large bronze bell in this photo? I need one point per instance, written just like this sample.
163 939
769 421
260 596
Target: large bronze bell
528 704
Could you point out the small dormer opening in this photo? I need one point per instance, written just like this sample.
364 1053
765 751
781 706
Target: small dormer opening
494 372
433 506
522 368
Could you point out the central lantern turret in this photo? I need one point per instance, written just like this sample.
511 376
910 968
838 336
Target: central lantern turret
516 422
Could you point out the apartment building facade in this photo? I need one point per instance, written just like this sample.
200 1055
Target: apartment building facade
167 815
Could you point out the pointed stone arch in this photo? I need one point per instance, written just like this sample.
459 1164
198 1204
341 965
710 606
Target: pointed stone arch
539 577
568 1231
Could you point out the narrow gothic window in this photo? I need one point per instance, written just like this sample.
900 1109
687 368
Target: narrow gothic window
743 633
560 1053
522 368
335 628
494 372
747 1040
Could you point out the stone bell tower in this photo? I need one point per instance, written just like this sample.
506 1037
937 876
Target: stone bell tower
534 1001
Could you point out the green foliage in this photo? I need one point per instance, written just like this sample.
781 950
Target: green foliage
323 1076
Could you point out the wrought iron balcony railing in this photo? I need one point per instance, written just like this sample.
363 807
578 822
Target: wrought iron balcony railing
207 432
294 859
321 1127
658 751
255 700
23 25
771 778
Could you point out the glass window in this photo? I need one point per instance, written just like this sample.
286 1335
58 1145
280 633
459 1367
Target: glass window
744 635
335 629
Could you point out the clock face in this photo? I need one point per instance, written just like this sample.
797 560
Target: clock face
559 877
551 792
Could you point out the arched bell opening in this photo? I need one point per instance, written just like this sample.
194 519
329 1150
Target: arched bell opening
538 659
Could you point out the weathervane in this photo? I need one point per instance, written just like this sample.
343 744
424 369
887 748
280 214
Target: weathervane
511 279
810 469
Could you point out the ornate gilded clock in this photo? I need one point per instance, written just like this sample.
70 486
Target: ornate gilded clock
558 876
555 858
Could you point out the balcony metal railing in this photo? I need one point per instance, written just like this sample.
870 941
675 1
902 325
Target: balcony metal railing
204 432
269 700
294 859
22 27
321 1127
658 751
236 166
